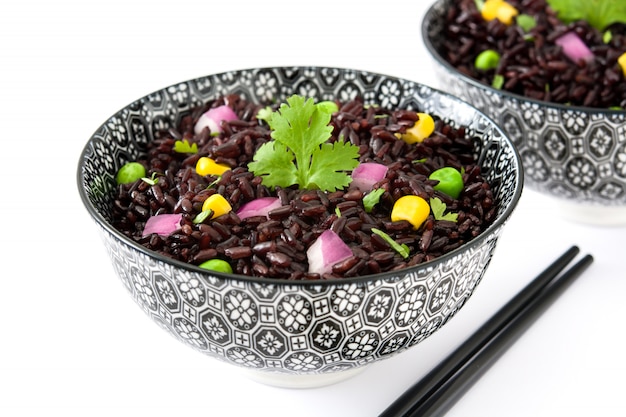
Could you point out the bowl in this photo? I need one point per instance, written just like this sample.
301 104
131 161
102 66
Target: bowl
575 156
294 333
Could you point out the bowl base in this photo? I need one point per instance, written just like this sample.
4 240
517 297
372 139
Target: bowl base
593 214
280 380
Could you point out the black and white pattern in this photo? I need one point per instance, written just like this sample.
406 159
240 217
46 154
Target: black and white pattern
294 327
571 153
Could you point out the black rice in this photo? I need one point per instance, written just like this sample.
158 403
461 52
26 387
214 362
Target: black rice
531 63
275 246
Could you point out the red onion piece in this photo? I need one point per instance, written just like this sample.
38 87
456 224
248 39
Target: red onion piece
213 119
163 224
258 207
326 251
367 174
573 47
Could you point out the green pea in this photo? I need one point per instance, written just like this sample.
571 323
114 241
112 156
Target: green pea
130 172
450 181
487 60
217 265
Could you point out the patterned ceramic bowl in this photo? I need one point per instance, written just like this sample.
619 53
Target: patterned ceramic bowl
574 155
285 332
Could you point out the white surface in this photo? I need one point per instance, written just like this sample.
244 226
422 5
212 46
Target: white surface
74 343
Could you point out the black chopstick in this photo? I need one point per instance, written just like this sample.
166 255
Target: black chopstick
444 384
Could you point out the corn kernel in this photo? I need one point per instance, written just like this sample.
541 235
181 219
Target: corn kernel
411 208
218 204
207 166
423 128
499 9
622 62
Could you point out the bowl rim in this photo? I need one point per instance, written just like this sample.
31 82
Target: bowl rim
434 53
497 224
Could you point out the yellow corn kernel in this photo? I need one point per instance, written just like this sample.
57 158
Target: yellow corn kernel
411 208
207 166
218 204
622 62
423 128
499 9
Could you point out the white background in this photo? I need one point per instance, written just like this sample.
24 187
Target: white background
73 343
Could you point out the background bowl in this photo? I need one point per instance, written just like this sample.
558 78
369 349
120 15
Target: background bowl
297 334
574 155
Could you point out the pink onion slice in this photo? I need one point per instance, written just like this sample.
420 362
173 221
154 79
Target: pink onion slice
573 47
326 251
367 174
258 207
163 224
213 119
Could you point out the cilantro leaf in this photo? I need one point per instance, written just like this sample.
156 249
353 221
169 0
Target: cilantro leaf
153 180
438 208
402 249
274 162
300 153
598 13
372 198
184 146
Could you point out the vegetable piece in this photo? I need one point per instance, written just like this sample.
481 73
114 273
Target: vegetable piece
202 216
329 107
300 132
498 81
498 9
258 207
372 198
367 174
326 251
526 22
218 204
217 265
411 208
130 172
487 60
402 249
153 180
439 207
450 181
183 146
598 13
573 47
622 62
162 225
423 128
208 166
213 119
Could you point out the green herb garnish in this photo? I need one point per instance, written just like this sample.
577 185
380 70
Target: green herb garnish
438 208
300 153
202 216
264 113
498 81
153 180
526 22
372 198
598 13
183 146
402 249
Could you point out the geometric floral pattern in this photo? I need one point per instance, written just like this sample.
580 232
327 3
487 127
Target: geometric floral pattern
570 153
281 326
